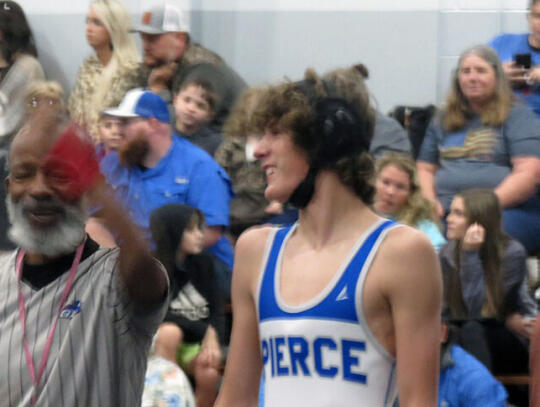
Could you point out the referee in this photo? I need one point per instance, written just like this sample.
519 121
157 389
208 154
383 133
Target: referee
76 320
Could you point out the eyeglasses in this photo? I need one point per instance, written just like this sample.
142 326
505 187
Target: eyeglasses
36 101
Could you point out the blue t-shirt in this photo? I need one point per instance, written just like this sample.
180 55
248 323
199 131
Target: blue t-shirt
185 175
479 156
508 45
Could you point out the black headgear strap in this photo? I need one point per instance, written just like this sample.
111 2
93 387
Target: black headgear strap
305 189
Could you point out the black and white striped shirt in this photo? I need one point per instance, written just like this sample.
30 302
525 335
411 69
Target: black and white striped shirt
100 346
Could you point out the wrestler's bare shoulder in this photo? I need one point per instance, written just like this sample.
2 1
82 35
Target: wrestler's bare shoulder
403 239
249 250
253 239
407 248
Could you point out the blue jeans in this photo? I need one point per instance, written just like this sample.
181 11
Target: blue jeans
523 223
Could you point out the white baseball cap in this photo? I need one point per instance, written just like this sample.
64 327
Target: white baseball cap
162 19
141 103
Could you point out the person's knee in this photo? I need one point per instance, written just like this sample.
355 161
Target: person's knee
205 373
169 337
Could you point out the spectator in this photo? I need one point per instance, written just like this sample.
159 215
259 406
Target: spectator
165 384
153 168
113 69
388 135
249 207
110 134
525 80
195 319
110 302
45 93
483 272
19 67
170 57
194 105
398 195
483 130
464 381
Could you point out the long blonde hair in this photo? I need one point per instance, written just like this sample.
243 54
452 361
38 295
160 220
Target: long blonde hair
117 21
457 110
417 208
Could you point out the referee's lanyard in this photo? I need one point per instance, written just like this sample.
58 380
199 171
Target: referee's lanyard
22 316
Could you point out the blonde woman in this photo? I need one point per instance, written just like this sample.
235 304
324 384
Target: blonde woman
398 196
111 71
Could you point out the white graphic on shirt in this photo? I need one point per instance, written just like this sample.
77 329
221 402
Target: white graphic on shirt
190 304
181 180
342 296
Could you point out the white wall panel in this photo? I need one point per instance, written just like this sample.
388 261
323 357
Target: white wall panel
409 46
470 5
515 4
514 22
459 30
447 65
315 5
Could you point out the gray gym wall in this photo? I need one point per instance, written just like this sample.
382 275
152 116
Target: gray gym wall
410 47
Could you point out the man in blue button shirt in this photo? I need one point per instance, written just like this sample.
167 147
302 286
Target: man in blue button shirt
153 168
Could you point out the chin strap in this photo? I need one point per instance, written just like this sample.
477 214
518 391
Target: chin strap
304 191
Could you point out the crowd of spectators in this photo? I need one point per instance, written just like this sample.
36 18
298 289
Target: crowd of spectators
174 134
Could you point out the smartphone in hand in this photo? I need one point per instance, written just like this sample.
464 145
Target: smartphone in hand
523 60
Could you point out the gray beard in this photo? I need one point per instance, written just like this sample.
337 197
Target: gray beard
62 238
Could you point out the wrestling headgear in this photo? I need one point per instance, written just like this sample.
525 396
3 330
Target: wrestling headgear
337 132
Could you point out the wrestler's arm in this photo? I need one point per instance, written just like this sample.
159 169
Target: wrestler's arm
143 276
414 291
240 386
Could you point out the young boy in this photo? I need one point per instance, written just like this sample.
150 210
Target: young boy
194 106
110 134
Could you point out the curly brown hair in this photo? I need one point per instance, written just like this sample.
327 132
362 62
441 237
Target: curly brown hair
289 108
349 84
